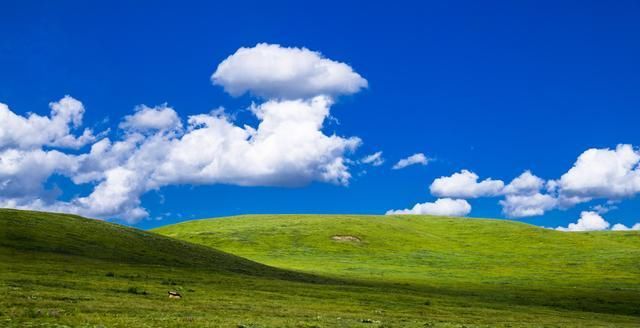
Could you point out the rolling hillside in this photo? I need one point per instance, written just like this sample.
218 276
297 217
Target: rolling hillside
423 249
65 271
491 259
28 232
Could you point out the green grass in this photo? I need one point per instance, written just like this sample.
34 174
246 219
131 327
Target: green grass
71 235
494 261
423 249
60 270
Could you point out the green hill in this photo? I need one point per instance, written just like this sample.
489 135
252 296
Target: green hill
493 260
70 235
60 270
424 249
65 271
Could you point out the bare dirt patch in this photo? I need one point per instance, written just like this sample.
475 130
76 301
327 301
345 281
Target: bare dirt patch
346 238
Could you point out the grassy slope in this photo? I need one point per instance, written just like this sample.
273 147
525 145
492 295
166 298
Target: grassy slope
58 270
493 260
39 232
66 270
423 249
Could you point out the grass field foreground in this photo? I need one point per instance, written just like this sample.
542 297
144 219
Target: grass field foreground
66 271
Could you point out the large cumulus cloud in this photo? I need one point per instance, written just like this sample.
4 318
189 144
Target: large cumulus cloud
157 148
272 71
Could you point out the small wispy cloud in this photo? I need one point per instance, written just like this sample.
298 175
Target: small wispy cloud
374 159
414 159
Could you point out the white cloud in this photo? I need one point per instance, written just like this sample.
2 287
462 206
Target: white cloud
524 184
414 159
592 221
523 197
272 71
442 207
604 209
374 159
622 227
286 148
519 206
465 185
602 173
35 131
150 119
589 221
24 171
611 174
118 195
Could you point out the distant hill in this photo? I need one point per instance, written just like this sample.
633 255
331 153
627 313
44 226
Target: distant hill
425 249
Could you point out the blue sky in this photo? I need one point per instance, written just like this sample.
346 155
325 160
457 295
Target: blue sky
495 88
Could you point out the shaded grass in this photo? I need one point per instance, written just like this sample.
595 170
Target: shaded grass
47 289
78 236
